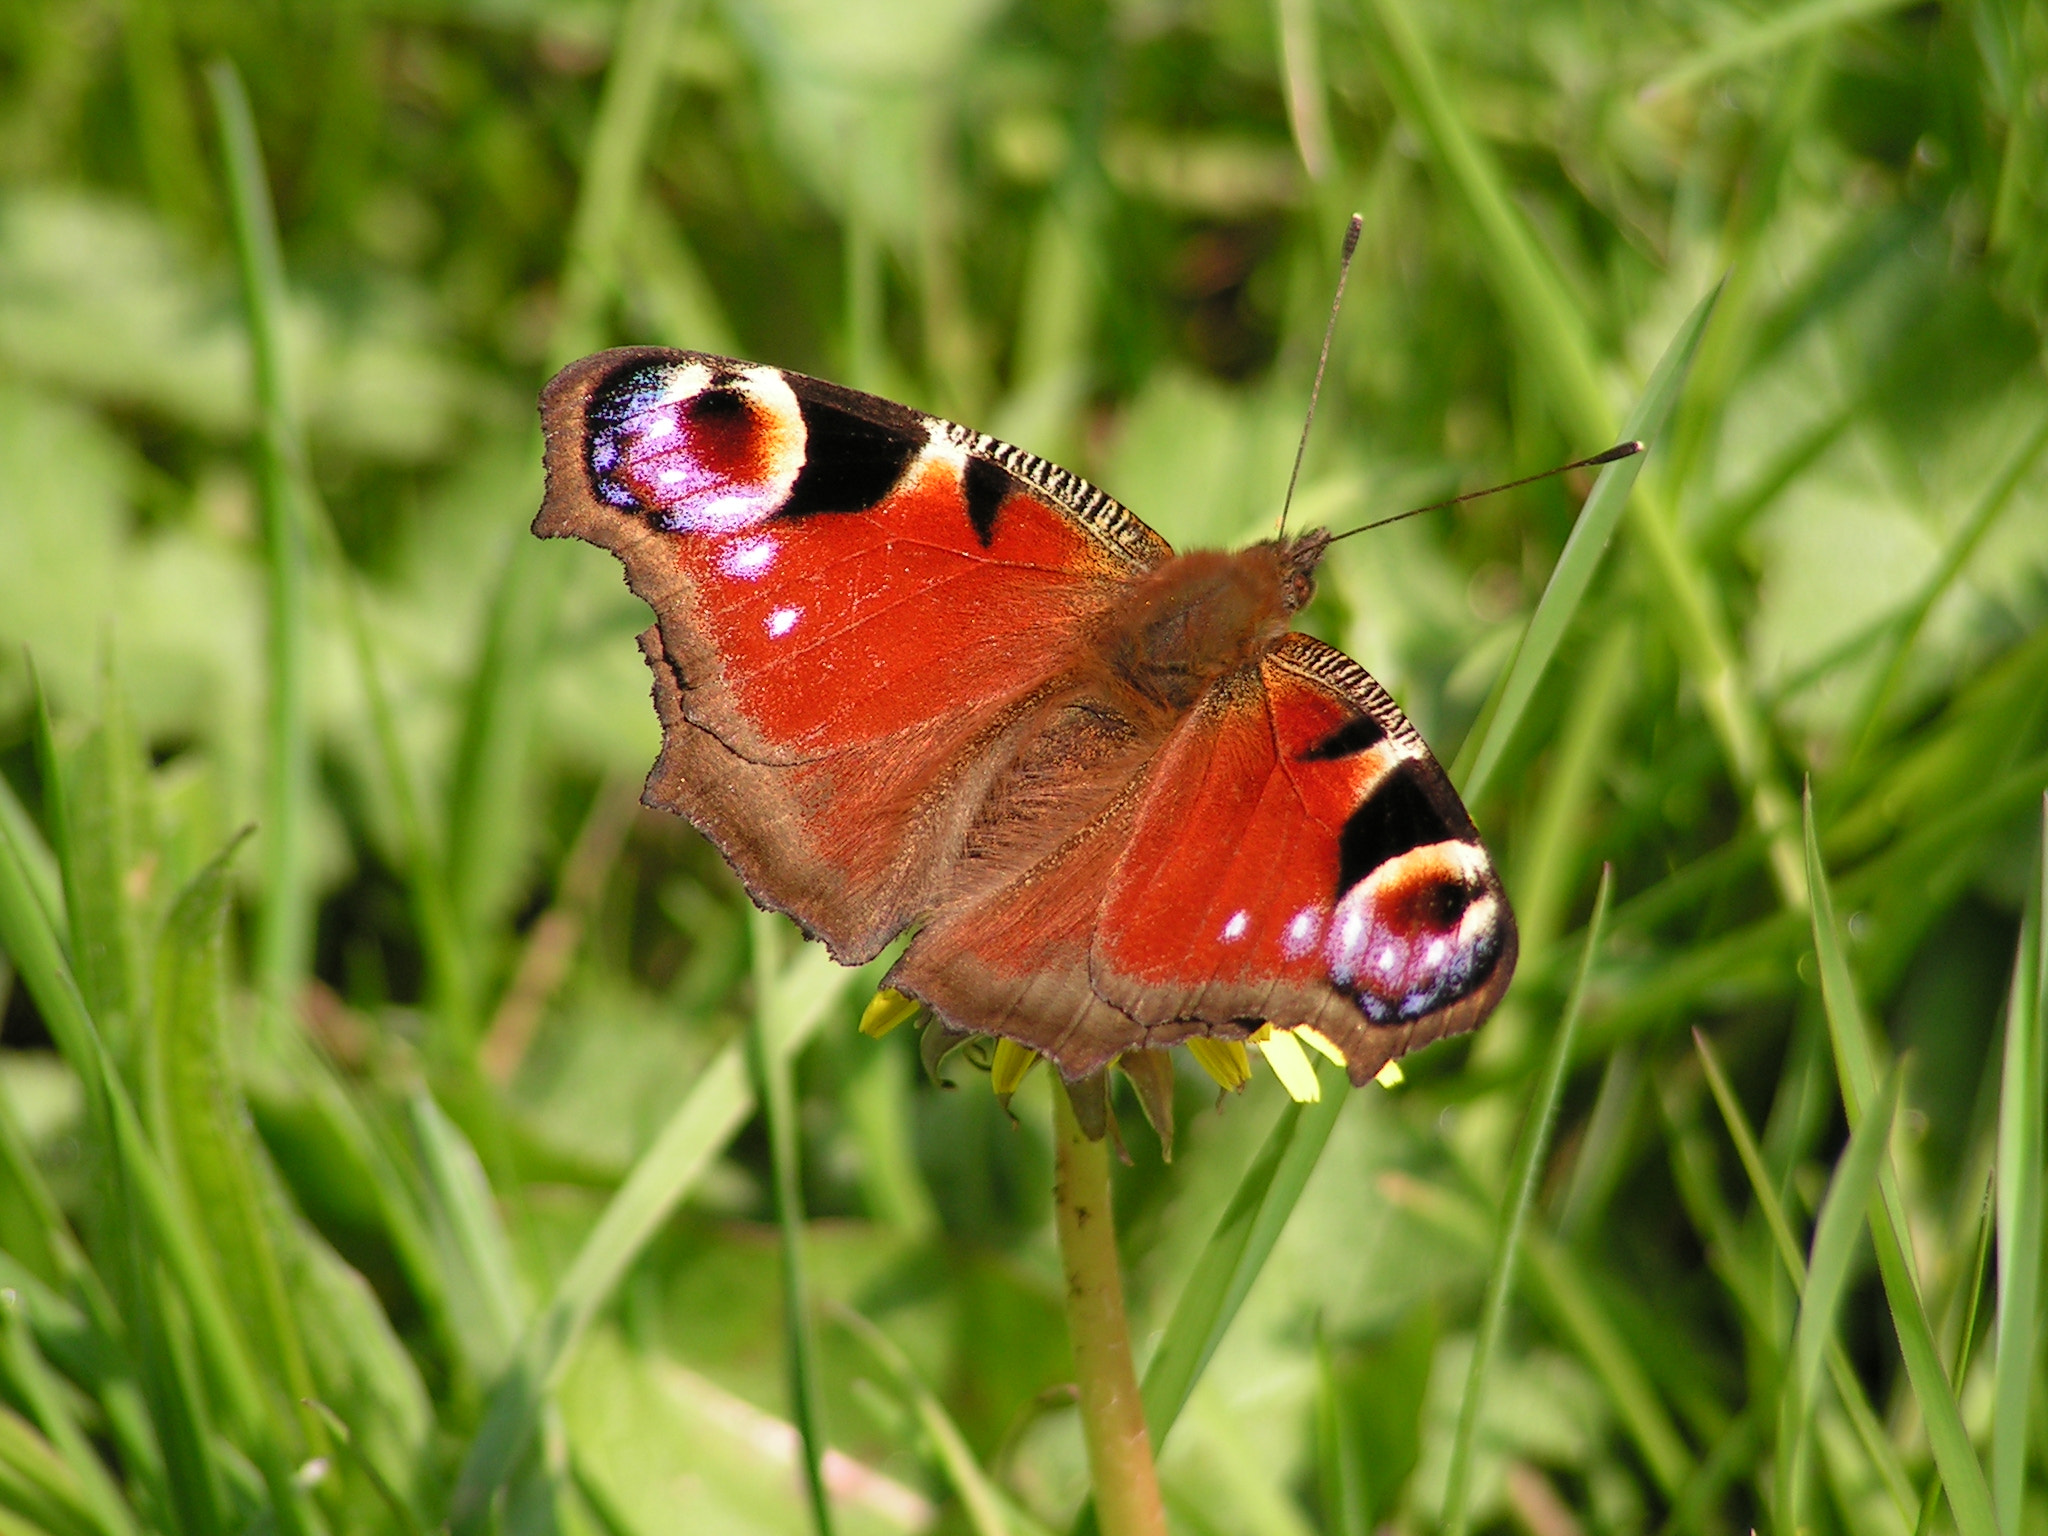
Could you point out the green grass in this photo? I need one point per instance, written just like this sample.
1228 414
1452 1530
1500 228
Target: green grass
400 1164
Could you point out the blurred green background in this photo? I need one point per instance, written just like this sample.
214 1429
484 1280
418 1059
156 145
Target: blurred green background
395 1068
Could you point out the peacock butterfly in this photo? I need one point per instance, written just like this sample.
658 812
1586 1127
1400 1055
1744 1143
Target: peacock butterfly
910 676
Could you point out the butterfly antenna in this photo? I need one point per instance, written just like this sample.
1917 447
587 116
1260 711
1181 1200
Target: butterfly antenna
1351 234
1618 451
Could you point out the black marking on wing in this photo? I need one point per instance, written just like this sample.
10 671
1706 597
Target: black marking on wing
1348 740
988 486
850 461
1397 816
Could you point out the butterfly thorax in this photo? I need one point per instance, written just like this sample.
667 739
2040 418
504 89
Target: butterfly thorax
1201 616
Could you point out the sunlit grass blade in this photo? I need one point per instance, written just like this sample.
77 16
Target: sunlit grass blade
39 864
200 1123
1237 1250
31 1379
1562 1289
477 1267
147 1215
1849 1387
285 930
1776 30
720 1102
769 1068
611 168
492 748
37 1483
1557 341
1342 1475
1530 289
1962 1475
1905 628
104 794
988 1511
1530 1154
402 1514
1574 570
1835 1236
2020 1151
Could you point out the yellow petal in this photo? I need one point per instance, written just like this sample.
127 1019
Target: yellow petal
1391 1075
1321 1042
1291 1065
885 1011
1224 1060
1011 1063
1260 1035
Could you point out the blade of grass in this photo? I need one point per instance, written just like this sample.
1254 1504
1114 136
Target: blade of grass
769 1069
1565 1292
30 1375
1962 1476
1558 344
285 929
201 1126
1848 1385
1752 1160
1580 558
2020 1149
1231 1260
104 794
492 748
39 864
36 1482
1905 629
402 1515
1930 1502
1237 1250
1523 1173
476 1255
720 1102
1341 1467
1773 32
1835 1236
988 1511
155 1223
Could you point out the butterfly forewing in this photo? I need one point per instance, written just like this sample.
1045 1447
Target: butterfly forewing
854 605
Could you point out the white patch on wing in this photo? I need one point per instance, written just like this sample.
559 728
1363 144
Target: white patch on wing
782 621
683 382
746 559
1300 935
1401 965
941 449
1233 930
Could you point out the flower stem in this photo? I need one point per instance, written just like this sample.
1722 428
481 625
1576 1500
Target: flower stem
1112 1412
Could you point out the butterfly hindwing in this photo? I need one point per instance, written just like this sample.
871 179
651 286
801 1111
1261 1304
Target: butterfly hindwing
1299 857
1292 853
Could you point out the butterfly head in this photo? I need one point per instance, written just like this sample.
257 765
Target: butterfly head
1299 557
